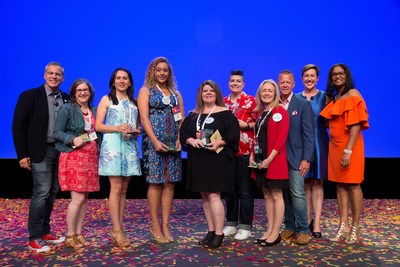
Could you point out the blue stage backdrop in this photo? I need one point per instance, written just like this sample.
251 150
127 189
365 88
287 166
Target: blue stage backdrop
206 40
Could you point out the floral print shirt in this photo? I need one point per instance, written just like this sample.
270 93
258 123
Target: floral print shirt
244 109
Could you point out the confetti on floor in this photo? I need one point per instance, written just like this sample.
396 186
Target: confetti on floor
379 246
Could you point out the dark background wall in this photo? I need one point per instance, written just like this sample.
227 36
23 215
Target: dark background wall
380 177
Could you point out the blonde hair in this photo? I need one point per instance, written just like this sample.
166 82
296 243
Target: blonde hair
275 102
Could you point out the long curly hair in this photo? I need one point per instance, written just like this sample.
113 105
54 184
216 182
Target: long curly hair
150 77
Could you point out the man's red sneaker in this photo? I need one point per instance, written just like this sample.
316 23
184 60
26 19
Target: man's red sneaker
38 245
52 239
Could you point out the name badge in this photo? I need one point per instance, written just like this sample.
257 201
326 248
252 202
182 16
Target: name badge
176 111
166 100
92 134
277 117
209 120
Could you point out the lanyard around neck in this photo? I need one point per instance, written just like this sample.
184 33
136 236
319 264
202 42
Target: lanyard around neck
204 122
88 125
166 100
262 122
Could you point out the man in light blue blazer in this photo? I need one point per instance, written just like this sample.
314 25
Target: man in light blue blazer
300 149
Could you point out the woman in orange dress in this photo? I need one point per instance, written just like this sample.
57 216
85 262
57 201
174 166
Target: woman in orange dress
347 116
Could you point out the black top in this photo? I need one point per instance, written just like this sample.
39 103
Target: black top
208 171
30 122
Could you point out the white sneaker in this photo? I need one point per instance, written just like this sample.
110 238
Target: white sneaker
229 230
242 234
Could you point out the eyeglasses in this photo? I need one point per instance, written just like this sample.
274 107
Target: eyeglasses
340 73
80 91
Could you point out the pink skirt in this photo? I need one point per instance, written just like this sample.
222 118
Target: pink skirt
78 170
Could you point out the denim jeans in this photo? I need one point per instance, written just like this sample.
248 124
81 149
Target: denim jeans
296 219
44 192
240 203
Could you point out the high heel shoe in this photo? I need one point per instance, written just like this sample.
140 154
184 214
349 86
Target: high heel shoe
258 241
342 233
209 236
160 239
215 242
119 239
354 236
311 226
167 234
317 234
268 244
71 242
81 239
170 238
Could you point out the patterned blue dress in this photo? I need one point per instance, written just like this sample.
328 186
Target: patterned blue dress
119 154
319 165
158 167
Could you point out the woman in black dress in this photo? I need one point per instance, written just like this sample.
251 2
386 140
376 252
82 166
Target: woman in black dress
211 133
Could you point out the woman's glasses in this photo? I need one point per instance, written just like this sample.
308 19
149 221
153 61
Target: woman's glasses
81 91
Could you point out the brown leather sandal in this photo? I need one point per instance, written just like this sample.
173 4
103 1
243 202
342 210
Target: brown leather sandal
72 242
81 239
119 239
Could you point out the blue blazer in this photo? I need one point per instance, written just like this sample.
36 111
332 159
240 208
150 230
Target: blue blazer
30 122
70 123
301 139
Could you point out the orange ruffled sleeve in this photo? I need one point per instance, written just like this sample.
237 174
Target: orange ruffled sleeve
353 108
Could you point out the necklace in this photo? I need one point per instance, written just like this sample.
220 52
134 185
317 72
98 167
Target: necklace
260 123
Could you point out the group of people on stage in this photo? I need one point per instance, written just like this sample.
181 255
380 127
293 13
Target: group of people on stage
276 141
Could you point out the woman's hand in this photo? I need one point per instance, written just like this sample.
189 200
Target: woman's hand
345 161
160 146
125 128
136 133
264 164
196 143
178 145
78 142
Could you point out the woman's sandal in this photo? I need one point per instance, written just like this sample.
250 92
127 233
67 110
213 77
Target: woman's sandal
71 242
81 239
160 239
120 239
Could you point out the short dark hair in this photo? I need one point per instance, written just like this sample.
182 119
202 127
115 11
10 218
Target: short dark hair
310 67
237 72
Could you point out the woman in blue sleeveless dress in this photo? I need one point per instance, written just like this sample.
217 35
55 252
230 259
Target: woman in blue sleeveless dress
318 172
118 119
161 113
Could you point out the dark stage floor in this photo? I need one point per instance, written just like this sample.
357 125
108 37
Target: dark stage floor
380 244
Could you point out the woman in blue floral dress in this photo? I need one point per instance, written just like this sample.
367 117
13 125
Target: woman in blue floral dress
161 113
118 119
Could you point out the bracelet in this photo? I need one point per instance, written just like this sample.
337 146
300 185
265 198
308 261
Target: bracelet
348 151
